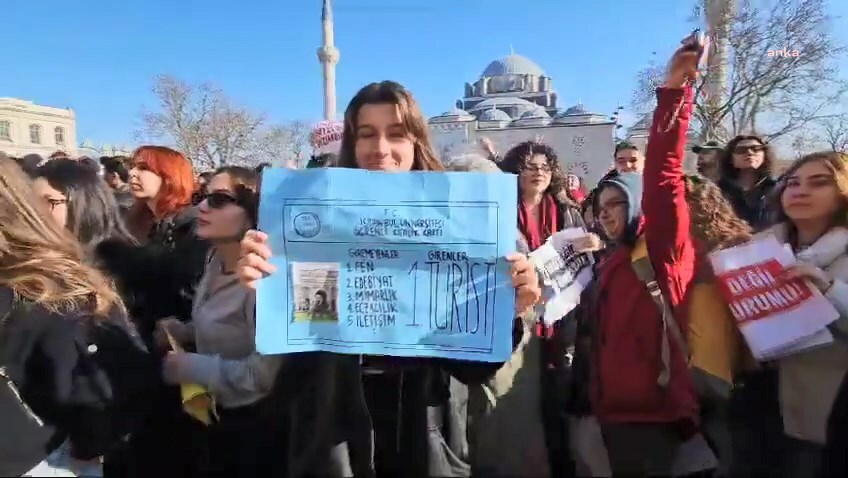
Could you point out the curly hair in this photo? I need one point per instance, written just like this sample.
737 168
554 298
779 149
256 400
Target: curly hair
837 164
715 225
725 160
42 262
515 159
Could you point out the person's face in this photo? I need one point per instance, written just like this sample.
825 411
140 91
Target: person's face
54 202
629 161
382 141
535 175
707 163
612 212
113 180
220 218
811 194
319 300
748 154
144 184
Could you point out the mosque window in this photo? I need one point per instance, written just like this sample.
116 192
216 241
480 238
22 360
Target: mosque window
35 134
59 136
6 130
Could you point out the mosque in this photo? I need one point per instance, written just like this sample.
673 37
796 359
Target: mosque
514 101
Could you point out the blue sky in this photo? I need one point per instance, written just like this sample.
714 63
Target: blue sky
99 56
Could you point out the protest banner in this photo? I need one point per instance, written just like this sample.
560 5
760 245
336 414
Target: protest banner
401 264
563 271
777 317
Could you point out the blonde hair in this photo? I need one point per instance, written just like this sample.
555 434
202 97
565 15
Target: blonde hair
40 261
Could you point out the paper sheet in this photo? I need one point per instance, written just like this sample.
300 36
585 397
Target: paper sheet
403 264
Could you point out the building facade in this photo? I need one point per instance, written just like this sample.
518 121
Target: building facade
26 127
514 101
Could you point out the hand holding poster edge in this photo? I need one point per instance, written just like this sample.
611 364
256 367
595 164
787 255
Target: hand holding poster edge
777 315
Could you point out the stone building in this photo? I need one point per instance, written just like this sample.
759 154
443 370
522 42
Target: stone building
26 127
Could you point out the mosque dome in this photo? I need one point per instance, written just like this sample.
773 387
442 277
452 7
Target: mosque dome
512 65
577 109
513 106
494 115
455 114
538 112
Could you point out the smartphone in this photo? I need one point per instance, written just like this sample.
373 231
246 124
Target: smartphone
701 43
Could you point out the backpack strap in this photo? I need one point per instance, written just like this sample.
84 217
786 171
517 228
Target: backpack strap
644 270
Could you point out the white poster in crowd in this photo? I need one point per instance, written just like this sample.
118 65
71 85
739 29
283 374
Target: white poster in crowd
776 316
563 271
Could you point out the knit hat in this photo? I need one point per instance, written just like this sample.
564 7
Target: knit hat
326 138
631 185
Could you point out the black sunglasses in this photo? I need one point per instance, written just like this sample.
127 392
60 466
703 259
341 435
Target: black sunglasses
219 200
754 148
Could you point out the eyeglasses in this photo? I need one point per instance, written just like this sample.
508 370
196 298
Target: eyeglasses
543 168
754 148
611 206
219 200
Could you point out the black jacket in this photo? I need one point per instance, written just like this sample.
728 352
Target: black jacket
159 278
753 205
84 379
329 407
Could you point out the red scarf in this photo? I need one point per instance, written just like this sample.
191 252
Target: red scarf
535 232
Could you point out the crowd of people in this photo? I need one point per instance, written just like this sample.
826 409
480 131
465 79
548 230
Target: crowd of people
124 278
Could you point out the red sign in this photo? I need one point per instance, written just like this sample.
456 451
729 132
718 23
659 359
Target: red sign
757 291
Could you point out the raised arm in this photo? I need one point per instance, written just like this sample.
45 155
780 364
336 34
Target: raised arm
664 205
667 218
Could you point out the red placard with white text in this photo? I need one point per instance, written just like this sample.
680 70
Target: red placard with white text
777 317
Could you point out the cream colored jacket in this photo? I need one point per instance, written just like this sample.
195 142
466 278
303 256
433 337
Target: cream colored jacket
810 381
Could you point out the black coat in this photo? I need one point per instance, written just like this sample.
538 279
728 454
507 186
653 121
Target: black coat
85 379
158 279
753 206
328 407
835 456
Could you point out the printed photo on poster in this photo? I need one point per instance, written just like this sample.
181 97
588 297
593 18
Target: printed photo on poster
316 291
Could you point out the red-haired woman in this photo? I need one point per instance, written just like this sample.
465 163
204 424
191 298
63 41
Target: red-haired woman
161 276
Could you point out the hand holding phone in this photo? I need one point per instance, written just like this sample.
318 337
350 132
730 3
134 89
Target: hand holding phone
684 64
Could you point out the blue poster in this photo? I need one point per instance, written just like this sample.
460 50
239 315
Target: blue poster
399 264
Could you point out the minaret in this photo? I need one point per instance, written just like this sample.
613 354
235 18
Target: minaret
719 20
328 55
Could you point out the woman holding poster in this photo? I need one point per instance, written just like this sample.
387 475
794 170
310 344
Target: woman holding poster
545 208
641 389
360 416
813 214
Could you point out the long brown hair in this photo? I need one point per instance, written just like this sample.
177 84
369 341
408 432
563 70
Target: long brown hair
40 261
715 225
837 164
392 93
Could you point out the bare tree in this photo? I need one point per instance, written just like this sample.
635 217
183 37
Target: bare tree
210 129
835 132
781 70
